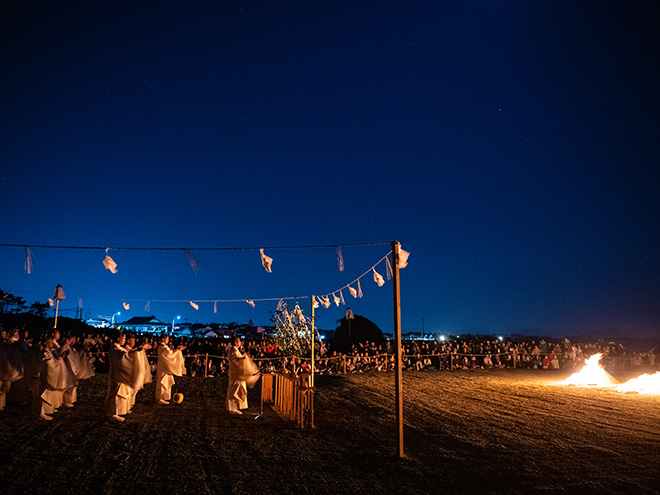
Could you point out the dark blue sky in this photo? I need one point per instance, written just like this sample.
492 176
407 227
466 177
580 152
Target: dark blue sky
512 148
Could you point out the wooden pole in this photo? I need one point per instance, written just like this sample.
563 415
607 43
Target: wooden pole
206 365
311 384
57 308
398 372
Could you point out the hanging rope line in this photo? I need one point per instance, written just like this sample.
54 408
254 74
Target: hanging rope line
289 298
214 300
354 281
319 246
324 299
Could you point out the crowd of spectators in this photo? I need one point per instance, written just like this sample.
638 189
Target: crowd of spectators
485 353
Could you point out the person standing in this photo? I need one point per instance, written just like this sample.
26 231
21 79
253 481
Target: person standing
54 380
11 369
141 368
242 373
126 376
170 364
70 394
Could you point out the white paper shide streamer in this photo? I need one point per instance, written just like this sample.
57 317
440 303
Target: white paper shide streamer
340 259
378 278
192 262
109 263
266 261
403 258
29 260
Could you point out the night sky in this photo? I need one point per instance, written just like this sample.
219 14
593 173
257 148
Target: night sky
513 148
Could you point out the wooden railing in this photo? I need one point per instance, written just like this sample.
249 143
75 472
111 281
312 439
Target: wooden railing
292 395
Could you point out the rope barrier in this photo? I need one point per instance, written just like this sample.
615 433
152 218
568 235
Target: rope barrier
373 360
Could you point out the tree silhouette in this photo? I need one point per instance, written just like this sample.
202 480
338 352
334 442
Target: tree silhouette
357 330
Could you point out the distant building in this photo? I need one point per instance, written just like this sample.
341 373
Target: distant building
97 322
148 324
184 330
207 332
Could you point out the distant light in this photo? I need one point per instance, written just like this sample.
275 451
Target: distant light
442 338
500 339
118 312
322 337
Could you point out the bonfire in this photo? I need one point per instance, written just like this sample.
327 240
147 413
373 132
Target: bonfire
645 384
591 375
594 375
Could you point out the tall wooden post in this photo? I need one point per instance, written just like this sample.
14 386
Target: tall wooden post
57 309
311 380
398 371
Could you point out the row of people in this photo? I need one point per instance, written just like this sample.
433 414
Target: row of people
105 355
52 371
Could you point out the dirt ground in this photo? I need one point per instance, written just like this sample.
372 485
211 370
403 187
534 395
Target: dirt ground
485 431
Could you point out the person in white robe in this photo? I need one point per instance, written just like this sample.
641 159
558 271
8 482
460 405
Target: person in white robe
143 368
70 394
54 379
79 362
128 373
170 364
19 393
11 370
243 373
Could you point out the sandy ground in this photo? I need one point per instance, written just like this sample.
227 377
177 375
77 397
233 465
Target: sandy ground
494 431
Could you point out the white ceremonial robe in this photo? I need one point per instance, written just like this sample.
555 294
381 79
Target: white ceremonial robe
129 371
80 364
170 364
70 394
19 391
119 392
242 373
11 370
54 380
141 373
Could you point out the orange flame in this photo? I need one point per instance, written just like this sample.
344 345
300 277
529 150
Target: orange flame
645 384
592 375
